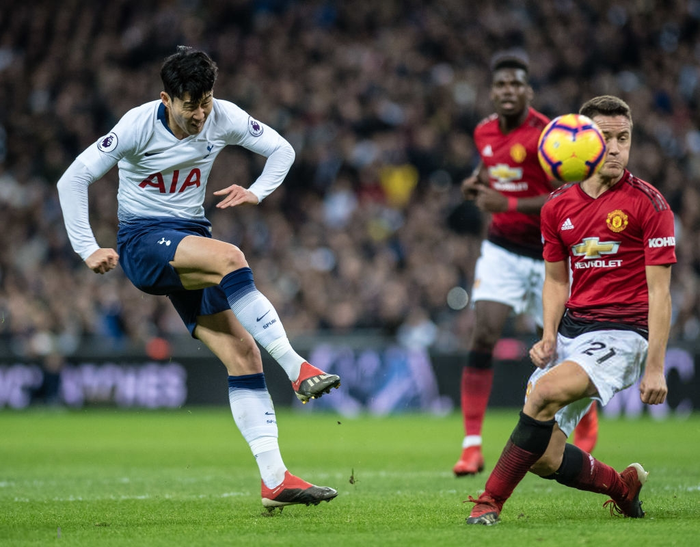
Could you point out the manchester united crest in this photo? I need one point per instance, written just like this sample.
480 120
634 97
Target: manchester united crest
617 220
518 153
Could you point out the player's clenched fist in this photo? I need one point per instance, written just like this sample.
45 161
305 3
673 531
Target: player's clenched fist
102 260
542 353
652 388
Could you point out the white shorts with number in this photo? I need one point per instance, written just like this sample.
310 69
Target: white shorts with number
613 359
511 279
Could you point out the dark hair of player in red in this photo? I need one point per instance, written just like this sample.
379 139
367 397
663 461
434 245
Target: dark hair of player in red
188 71
606 105
512 58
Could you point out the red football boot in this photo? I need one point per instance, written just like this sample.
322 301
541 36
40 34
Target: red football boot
312 383
634 477
471 462
486 511
294 491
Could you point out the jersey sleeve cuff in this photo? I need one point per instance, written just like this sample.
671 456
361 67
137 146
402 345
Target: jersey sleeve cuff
88 251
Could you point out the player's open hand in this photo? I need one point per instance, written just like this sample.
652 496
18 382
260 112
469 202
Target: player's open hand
490 200
652 388
102 260
235 195
542 353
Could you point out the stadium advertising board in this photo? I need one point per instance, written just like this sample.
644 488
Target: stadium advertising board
377 380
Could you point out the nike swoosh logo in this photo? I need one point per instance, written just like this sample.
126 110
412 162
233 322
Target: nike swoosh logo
263 315
269 413
153 153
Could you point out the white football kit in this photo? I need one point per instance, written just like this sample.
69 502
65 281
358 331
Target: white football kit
613 360
161 175
515 280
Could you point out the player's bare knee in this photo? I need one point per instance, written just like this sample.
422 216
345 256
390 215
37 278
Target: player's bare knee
484 340
534 405
543 401
232 259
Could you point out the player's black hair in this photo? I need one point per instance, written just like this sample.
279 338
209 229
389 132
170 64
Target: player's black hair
188 71
512 58
606 105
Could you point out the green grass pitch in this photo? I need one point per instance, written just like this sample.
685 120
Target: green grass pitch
186 477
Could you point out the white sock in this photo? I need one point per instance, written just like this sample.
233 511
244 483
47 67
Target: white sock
258 316
271 466
282 352
471 440
254 415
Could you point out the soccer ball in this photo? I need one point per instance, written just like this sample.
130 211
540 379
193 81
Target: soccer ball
571 148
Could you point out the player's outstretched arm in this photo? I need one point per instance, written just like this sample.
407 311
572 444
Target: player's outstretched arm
653 389
280 157
235 195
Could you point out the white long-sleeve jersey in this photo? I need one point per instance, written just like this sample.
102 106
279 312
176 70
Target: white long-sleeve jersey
160 175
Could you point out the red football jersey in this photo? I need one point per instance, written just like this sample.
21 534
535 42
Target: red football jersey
514 170
609 241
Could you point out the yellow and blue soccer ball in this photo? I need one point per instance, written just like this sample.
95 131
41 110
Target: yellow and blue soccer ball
571 148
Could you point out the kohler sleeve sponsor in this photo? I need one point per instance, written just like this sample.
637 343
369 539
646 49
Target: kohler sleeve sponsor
669 241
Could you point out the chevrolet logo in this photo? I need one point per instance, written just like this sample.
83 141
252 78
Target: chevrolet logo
592 247
504 172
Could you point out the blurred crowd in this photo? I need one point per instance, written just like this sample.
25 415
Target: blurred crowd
379 100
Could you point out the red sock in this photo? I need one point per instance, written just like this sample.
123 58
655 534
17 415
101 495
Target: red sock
476 389
526 445
512 466
582 471
595 476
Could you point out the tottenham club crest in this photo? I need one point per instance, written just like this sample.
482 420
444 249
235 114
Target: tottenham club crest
617 221
255 127
107 143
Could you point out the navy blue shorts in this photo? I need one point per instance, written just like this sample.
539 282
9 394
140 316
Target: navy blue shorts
146 248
